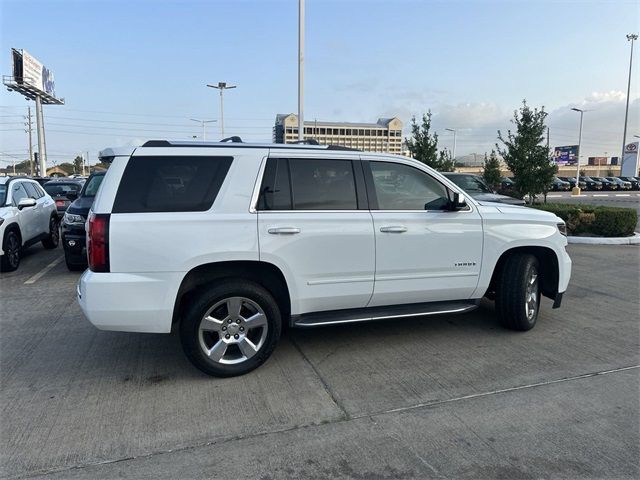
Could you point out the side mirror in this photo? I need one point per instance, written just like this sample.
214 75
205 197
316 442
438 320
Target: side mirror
26 202
458 202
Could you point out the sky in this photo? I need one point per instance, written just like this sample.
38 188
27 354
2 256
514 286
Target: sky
137 69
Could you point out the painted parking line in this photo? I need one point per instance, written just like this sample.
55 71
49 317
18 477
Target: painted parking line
42 272
554 196
600 194
623 194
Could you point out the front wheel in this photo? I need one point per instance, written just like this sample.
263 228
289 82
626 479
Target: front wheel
10 261
53 238
230 328
518 292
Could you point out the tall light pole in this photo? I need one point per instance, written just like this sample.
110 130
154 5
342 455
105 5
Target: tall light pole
576 189
300 70
204 130
454 140
630 38
222 86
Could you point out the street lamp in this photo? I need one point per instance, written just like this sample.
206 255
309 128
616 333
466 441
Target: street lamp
454 140
630 38
203 122
576 189
222 86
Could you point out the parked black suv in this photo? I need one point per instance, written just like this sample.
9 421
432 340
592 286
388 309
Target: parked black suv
73 232
606 184
572 182
63 192
591 183
635 183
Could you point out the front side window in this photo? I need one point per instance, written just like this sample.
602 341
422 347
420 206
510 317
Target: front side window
401 187
31 190
170 184
18 193
470 183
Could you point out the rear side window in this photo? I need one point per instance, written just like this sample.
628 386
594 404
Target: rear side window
170 184
308 184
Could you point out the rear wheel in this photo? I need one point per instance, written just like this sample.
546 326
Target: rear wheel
518 292
10 261
230 328
53 238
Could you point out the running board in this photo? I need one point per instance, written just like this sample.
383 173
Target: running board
333 317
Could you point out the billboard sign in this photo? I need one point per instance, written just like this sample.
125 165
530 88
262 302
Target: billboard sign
630 160
27 70
567 155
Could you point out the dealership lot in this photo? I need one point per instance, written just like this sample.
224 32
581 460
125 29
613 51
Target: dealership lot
610 199
433 397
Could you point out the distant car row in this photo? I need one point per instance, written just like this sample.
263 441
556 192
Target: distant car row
31 209
560 184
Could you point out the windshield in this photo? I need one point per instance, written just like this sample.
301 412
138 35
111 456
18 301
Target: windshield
56 189
3 194
91 188
470 183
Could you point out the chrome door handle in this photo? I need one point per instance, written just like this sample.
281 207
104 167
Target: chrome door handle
284 231
394 229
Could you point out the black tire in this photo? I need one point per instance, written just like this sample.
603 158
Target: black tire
202 303
514 304
74 267
10 261
53 239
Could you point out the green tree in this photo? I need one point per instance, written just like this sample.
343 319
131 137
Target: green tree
423 145
445 161
77 164
525 154
491 171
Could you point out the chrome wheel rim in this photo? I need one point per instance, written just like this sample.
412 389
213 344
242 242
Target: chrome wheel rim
233 330
531 296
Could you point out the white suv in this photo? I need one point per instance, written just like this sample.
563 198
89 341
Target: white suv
27 215
229 241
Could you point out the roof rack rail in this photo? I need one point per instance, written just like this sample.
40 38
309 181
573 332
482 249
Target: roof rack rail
341 147
308 141
234 139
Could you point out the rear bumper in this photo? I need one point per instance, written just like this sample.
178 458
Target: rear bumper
129 302
75 247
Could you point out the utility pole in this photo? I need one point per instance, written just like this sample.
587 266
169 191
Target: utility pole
204 122
85 164
30 140
42 154
630 38
300 70
576 189
222 86
454 141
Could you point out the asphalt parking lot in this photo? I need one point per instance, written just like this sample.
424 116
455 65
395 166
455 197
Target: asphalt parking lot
438 397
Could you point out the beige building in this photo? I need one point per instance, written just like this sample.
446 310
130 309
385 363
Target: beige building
383 136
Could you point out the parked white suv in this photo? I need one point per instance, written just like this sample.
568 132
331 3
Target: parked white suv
27 215
229 241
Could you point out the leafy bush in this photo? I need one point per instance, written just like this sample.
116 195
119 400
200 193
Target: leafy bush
594 219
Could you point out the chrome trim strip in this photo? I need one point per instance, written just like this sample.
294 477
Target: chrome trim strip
331 281
425 275
256 187
386 317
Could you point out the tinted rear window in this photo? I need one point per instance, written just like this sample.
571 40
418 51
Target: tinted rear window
170 184
55 189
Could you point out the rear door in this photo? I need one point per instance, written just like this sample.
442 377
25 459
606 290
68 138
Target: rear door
424 252
313 224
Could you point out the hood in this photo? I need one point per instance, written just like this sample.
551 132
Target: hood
496 198
81 206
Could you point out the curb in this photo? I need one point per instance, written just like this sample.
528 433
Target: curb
633 240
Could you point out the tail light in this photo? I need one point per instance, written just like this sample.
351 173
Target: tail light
98 242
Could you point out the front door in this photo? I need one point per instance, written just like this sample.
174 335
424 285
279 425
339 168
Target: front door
313 224
424 251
